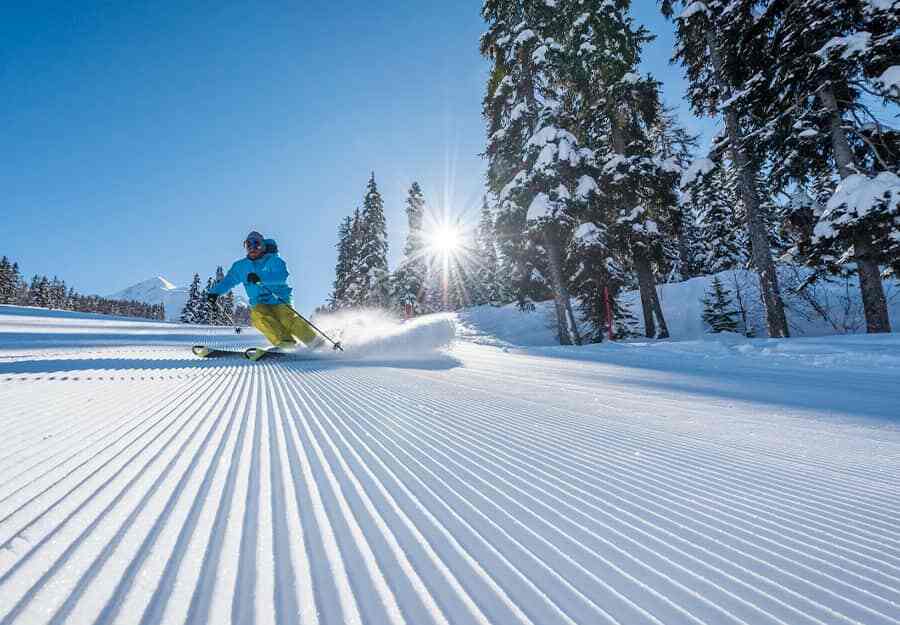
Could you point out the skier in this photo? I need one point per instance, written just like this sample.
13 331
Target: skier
264 275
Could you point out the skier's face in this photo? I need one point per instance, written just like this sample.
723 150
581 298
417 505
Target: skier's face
255 248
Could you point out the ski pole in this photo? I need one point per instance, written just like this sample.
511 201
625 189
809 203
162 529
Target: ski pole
336 344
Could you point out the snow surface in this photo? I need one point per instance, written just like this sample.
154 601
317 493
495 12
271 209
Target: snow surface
680 482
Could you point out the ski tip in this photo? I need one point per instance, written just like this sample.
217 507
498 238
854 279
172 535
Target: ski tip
200 350
254 353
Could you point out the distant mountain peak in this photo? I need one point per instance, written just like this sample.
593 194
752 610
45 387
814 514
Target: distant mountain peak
165 283
158 290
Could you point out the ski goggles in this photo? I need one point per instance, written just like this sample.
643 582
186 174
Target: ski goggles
253 244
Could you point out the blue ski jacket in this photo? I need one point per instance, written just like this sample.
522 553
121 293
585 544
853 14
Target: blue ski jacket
272 272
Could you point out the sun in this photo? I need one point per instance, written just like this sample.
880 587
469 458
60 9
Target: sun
444 239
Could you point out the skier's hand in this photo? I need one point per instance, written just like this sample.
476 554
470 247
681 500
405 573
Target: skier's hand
211 298
252 278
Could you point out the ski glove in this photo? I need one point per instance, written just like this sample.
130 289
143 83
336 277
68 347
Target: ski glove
252 278
211 298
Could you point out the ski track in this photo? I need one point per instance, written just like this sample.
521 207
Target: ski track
508 489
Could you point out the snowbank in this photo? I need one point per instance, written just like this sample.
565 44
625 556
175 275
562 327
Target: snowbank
507 326
682 304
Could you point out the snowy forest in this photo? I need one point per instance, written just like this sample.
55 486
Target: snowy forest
595 187
198 310
428 279
53 293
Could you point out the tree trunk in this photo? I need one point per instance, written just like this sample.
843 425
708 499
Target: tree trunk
843 157
870 286
649 298
760 250
567 328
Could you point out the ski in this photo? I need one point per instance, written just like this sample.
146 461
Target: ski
258 353
202 351
253 353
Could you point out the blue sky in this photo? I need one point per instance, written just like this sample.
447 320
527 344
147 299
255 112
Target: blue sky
143 139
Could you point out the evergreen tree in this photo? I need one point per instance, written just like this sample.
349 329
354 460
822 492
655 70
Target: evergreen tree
598 281
673 149
355 293
221 313
7 288
374 279
712 44
831 54
207 312
515 44
636 147
39 292
192 311
714 199
718 309
409 281
21 287
344 266
225 309
690 243
488 288
534 158
57 293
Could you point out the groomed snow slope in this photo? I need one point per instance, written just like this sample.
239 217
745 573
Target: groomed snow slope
140 485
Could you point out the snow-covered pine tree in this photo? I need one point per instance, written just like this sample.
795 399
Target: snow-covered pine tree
21 287
487 284
533 157
374 279
227 304
208 313
410 276
7 288
355 291
344 266
711 194
718 309
224 311
690 243
511 108
33 294
192 307
831 55
57 294
711 42
637 171
39 292
597 283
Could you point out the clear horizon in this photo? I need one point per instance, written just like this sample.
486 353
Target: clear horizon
142 142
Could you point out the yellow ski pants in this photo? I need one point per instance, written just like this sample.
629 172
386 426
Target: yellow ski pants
280 325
